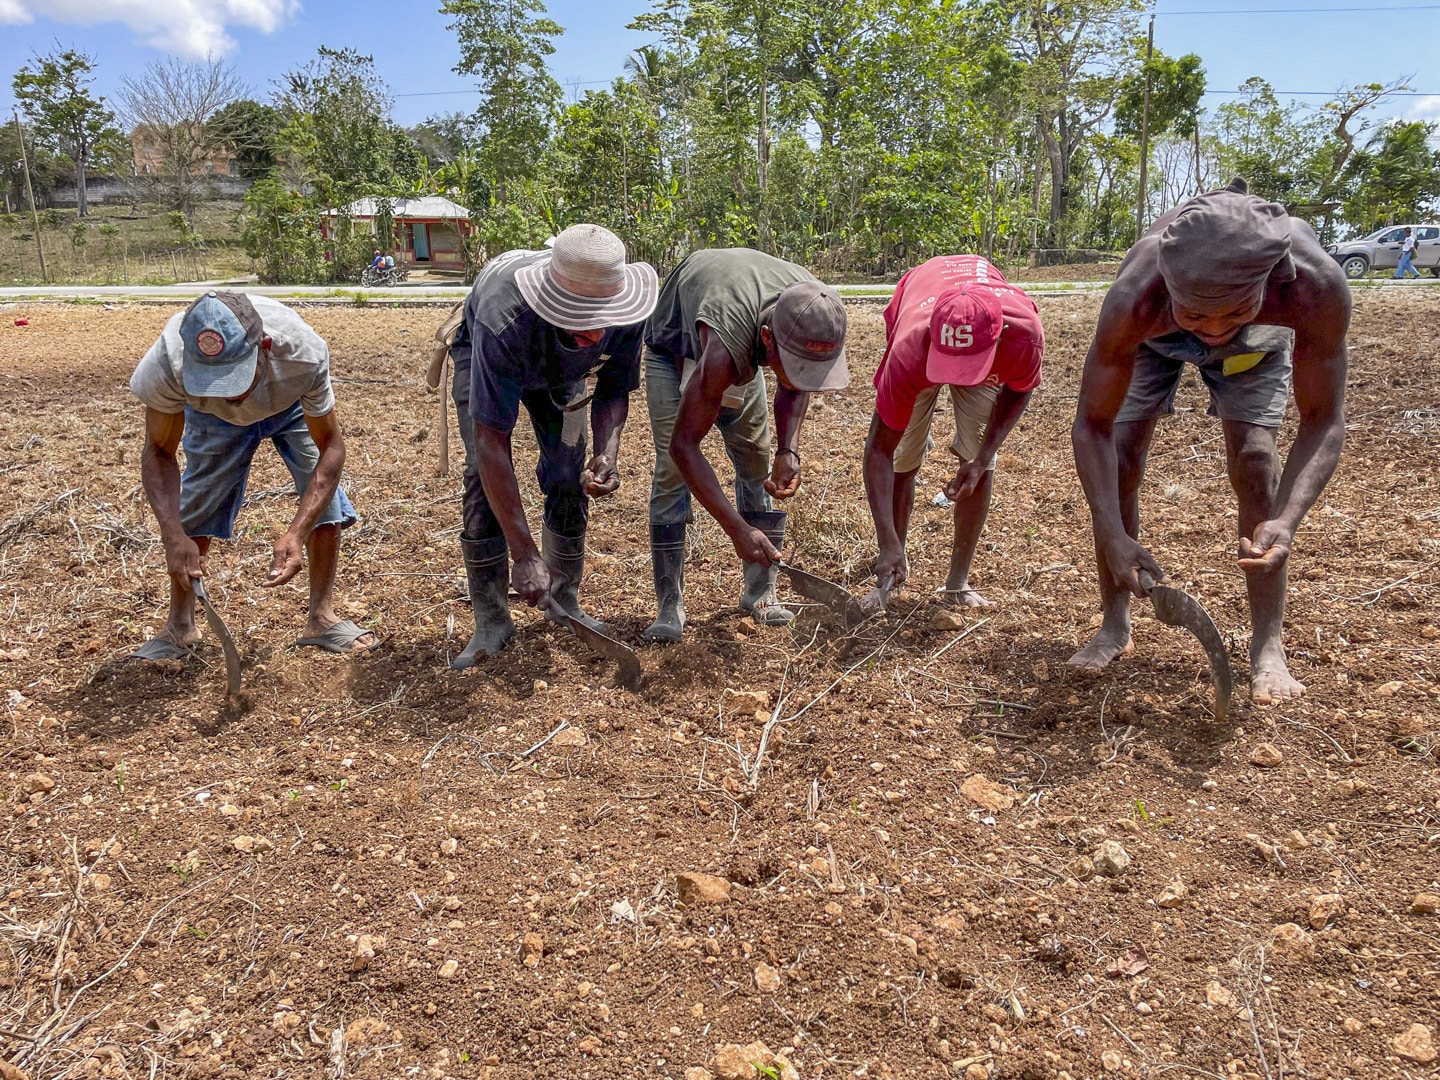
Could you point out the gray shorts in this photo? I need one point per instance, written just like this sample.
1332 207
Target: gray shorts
1249 377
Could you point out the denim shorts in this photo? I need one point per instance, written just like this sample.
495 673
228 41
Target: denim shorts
217 468
1248 377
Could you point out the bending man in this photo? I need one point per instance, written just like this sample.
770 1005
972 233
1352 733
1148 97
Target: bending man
227 374
954 322
537 325
723 315
1235 286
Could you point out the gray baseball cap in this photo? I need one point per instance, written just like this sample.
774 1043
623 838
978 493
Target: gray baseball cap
222 333
809 327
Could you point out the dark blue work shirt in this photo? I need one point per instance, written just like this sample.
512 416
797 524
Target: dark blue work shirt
513 351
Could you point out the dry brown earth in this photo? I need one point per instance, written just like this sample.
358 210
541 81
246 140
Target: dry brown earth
359 871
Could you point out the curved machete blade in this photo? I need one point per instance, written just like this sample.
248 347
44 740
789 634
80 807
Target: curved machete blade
836 597
227 643
608 647
1176 608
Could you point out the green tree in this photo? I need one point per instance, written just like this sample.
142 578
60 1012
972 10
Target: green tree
1076 53
44 168
1176 86
338 135
1394 179
442 139
280 234
249 130
1272 146
54 94
605 166
503 46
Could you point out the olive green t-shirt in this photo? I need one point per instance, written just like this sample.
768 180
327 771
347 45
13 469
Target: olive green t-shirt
726 289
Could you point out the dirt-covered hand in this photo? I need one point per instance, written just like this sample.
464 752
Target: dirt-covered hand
892 566
1269 549
287 561
531 581
754 546
183 561
967 478
1125 558
600 477
784 479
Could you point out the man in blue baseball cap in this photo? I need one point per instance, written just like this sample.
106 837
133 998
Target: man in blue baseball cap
228 373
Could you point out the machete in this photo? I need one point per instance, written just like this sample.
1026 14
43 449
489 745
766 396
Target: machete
608 647
836 597
227 643
1176 608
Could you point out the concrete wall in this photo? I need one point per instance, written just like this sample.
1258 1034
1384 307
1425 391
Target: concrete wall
121 190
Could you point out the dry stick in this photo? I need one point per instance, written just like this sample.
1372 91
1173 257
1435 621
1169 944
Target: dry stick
1144 1057
775 716
20 522
56 1018
1370 598
1325 734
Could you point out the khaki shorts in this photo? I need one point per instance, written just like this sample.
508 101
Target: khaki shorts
972 404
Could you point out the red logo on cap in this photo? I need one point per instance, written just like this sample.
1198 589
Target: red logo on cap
210 343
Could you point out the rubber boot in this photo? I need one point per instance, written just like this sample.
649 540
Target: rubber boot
759 599
487 572
667 559
565 559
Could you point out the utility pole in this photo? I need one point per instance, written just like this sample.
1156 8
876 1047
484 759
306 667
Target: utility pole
30 190
1145 138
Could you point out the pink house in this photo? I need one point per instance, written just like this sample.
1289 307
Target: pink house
428 230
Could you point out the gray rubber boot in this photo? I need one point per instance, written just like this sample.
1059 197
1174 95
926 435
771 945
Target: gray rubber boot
759 599
487 572
667 559
565 559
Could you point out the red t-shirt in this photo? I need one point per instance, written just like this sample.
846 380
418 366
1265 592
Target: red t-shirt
902 377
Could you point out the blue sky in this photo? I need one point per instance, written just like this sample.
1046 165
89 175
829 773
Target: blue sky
1307 50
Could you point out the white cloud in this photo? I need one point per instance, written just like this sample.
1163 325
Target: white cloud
193 29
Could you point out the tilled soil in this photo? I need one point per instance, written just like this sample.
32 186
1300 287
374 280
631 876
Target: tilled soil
373 867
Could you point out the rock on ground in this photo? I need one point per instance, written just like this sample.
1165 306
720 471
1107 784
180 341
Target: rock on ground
735 1062
701 889
1416 1045
1111 860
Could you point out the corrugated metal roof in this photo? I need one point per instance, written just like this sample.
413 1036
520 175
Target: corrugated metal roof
429 206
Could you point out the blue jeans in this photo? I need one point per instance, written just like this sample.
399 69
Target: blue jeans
217 468
1407 265
745 431
561 436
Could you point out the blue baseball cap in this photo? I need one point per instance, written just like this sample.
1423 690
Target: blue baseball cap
222 333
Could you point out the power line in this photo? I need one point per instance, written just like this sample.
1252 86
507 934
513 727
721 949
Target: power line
1320 93
1301 10
446 93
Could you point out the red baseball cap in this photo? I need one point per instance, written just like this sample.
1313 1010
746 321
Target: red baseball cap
964 335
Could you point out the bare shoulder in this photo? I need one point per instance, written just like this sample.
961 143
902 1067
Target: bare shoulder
1317 302
1136 306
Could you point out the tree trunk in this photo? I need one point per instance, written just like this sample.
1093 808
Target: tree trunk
1059 185
82 204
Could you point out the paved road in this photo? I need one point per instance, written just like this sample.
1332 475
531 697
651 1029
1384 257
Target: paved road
425 294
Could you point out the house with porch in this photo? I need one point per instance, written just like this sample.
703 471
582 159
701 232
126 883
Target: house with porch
428 230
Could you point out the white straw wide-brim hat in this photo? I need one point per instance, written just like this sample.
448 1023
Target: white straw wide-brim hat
586 284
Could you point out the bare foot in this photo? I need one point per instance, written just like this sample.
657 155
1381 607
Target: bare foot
965 597
1271 681
1105 646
